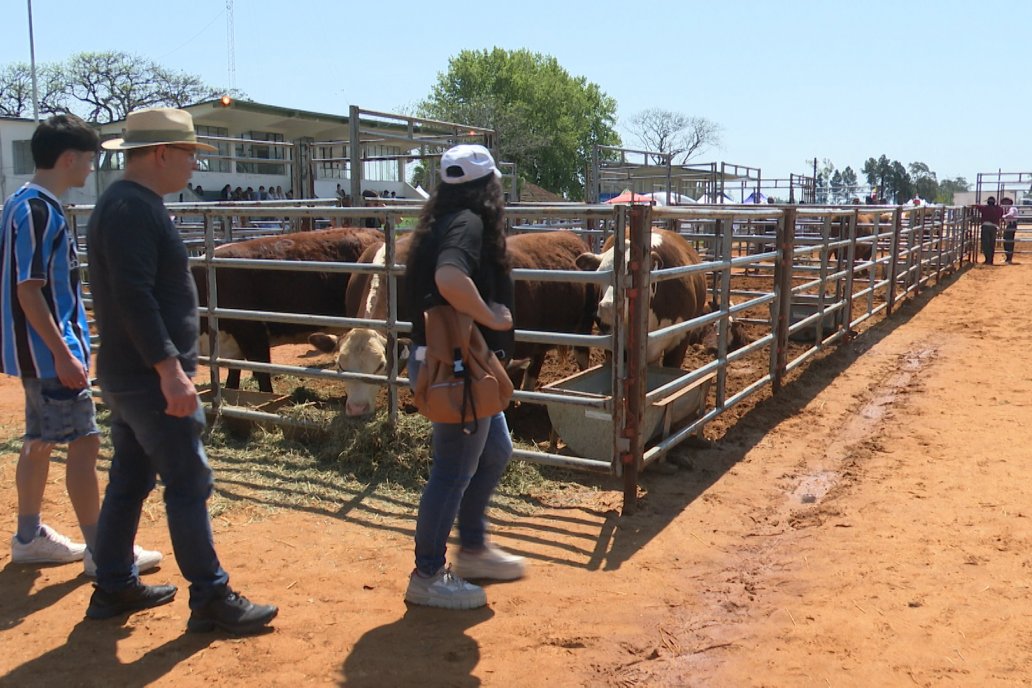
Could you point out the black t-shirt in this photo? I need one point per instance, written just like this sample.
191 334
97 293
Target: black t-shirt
144 297
457 240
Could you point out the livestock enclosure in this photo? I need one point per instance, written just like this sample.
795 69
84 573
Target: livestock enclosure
800 279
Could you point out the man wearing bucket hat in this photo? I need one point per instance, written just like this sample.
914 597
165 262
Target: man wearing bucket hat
145 304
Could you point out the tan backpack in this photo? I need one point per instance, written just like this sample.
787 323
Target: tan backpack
461 380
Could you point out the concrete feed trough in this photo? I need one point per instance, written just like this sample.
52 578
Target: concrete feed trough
588 432
805 305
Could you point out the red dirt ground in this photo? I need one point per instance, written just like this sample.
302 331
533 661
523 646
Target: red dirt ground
869 526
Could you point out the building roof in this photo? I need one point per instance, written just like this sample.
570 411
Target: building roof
532 193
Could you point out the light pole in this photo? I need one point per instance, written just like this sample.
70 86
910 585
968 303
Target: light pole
814 199
32 67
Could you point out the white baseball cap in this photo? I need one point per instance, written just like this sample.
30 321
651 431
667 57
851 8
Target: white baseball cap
467 162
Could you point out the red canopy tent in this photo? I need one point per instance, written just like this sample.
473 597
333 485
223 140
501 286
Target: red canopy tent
630 197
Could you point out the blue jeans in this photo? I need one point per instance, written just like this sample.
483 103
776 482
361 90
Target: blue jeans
465 471
149 443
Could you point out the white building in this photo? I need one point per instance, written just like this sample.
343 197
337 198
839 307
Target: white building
269 146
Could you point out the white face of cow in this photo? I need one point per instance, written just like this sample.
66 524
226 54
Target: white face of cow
607 304
362 351
228 346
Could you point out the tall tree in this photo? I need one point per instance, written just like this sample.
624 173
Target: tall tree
878 173
948 187
681 136
100 87
16 90
850 184
835 185
547 120
900 184
925 184
110 85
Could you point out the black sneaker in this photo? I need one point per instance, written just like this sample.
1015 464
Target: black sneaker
233 613
104 605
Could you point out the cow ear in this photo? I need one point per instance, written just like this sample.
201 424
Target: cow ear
657 262
326 343
588 261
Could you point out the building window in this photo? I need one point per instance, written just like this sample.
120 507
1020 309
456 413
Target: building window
253 153
331 162
23 157
214 162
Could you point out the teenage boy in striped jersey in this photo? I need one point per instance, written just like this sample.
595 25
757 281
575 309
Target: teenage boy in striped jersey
45 340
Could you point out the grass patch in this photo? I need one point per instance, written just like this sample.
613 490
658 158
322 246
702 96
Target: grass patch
346 463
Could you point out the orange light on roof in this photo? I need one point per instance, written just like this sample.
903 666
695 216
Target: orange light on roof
226 101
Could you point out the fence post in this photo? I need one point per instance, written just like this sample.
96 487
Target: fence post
847 319
893 262
391 286
213 321
783 296
638 268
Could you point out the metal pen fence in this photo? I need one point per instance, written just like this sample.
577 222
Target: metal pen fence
798 277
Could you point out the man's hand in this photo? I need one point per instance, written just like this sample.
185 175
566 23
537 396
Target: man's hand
178 389
70 371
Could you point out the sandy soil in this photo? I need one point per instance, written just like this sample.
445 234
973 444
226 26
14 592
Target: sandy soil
867 527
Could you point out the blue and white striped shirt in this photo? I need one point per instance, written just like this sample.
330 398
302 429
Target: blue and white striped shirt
35 244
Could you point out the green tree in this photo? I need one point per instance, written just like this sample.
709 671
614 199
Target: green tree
948 187
892 179
850 185
878 172
99 87
901 185
836 187
925 183
547 121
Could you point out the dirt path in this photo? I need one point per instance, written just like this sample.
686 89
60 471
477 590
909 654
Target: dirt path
870 526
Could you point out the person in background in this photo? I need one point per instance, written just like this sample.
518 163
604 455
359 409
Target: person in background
226 194
458 256
199 191
991 215
145 304
45 341
1010 220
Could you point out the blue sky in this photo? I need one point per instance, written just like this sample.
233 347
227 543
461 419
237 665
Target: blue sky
933 81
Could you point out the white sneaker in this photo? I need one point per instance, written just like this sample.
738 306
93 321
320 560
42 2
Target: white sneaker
146 559
445 590
48 547
491 562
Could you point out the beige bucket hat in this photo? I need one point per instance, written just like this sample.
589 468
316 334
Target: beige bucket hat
157 127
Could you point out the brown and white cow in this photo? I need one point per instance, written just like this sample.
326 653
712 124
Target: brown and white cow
539 306
316 293
672 301
864 228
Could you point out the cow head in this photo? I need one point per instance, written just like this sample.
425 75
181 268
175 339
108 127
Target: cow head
361 350
228 345
603 262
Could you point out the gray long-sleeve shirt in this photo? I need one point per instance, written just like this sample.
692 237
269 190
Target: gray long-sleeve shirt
144 297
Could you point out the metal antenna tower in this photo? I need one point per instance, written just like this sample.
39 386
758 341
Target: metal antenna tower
231 44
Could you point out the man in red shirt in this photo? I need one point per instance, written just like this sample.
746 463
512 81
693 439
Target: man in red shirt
991 214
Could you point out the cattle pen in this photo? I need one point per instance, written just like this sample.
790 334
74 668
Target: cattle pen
800 279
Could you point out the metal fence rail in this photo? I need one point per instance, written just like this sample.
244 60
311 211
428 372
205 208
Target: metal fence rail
761 266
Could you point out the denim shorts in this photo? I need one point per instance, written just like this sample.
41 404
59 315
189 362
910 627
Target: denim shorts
55 413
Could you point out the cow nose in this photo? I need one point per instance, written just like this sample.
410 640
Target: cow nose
605 312
357 409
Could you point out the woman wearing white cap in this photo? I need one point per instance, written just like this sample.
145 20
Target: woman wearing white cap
458 256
